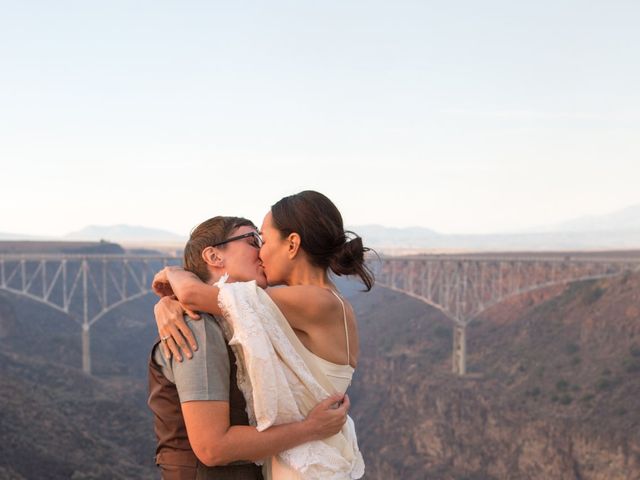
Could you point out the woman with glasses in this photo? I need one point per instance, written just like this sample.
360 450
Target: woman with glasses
303 238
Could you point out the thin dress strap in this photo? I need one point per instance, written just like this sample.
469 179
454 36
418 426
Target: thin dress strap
346 330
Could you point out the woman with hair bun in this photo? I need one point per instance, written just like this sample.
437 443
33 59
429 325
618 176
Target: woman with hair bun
303 240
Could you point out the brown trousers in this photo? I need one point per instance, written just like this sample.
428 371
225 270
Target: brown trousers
202 472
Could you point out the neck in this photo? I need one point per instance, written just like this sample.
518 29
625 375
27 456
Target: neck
214 276
305 274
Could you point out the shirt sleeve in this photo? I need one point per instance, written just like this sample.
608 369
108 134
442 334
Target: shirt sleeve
206 375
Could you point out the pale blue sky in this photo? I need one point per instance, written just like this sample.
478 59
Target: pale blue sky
460 116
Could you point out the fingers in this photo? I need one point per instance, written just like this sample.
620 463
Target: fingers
179 340
329 416
157 281
188 336
346 402
161 289
343 409
172 326
165 350
330 401
193 315
336 397
174 344
175 351
160 284
165 290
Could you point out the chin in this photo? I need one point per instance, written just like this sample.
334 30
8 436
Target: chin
261 281
269 280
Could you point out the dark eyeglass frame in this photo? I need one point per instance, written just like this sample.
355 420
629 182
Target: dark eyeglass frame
257 239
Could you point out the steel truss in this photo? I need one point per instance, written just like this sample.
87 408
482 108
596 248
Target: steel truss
464 287
86 287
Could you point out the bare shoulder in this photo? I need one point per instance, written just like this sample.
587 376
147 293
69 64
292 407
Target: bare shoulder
302 304
309 297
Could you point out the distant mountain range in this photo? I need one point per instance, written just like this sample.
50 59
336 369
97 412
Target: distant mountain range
125 233
19 236
616 230
397 242
627 220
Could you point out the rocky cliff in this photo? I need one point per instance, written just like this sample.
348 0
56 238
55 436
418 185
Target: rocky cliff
553 391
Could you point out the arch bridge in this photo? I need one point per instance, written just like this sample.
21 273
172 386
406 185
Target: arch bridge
85 287
464 286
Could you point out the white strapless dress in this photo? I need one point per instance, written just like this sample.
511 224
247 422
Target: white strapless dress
282 381
340 377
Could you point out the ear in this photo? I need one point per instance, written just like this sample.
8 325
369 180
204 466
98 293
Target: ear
211 257
294 245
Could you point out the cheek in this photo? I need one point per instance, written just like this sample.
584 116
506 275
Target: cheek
251 258
265 254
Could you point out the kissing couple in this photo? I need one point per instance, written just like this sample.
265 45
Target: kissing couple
257 348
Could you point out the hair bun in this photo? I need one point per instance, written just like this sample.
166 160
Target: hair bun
348 257
349 260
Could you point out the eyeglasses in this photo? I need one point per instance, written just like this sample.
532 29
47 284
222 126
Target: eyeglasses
256 239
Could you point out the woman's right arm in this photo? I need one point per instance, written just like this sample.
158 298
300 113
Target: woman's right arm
215 442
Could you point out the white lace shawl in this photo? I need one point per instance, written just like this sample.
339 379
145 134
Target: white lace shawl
277 383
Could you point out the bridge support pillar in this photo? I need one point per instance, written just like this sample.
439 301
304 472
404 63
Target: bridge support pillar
86 355
460 349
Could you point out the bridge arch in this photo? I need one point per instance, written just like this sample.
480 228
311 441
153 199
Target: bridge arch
494 303
71 316
463 287
423 300
459 356
35 298
86 287
534 288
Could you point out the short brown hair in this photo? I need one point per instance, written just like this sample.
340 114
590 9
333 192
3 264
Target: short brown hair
207 234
